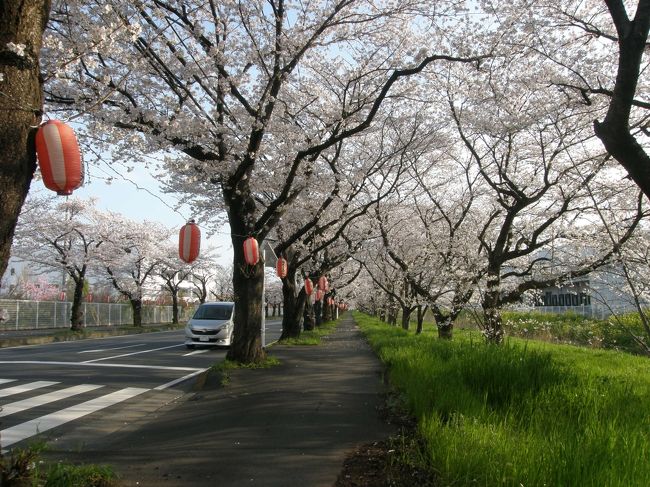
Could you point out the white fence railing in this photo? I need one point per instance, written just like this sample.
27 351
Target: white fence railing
29 315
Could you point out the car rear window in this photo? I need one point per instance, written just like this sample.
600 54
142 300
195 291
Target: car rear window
213 312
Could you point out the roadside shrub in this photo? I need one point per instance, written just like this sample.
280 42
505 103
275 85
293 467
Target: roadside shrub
572 328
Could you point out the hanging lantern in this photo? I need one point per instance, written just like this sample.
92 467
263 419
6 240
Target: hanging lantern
59 157
319 295
251 251
309 286
282 267
323 284
189 242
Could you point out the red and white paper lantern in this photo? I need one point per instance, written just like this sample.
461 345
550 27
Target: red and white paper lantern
309 286
189 242
319 295
323 284
282 267
251 251
59 157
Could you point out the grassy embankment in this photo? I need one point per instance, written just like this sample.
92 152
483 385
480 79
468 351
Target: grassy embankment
523 413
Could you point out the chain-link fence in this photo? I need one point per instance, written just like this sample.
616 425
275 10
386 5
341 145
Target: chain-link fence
29 315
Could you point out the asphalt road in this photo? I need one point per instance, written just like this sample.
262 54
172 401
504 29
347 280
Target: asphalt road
73 393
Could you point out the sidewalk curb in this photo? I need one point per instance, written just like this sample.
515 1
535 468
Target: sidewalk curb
58 335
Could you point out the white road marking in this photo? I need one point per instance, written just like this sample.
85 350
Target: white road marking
108 349
195 352
129 354
10 391
178 381
4 381
44 423
18 406
88 364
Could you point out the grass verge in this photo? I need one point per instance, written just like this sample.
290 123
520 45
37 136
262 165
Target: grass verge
523 413
23 468
224 368
312 337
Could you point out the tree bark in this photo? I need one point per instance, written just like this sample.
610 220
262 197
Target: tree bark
76 315
21 105
492 323
175 306
290 318
614 130
136 306
327 310
247 288
309 317
421 312
318 312
406 317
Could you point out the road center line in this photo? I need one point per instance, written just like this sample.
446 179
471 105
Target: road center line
129 354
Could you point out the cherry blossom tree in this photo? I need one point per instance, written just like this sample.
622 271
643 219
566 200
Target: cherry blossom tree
595 53
535 158
22 23
60 235
252 93
131 254
173 272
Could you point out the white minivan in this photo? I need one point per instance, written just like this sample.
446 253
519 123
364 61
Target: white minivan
211 325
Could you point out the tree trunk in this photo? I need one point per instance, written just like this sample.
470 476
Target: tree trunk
21 104
290 318
175 306
318 312
492 324
444 322
446 329
76 315
614 130
309 317
247 288
421 312
136 306
392 316
327 310
406 317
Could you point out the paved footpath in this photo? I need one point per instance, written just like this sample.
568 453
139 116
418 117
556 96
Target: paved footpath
290 425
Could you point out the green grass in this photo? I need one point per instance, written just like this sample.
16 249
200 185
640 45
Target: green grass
313 337
523 413
226 366
23 468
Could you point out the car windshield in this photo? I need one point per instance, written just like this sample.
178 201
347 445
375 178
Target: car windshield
213 312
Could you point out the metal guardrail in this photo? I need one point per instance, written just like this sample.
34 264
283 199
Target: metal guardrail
30 315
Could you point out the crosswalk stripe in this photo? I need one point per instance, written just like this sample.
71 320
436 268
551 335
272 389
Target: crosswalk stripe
18 406
4 381
10 391
25 430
